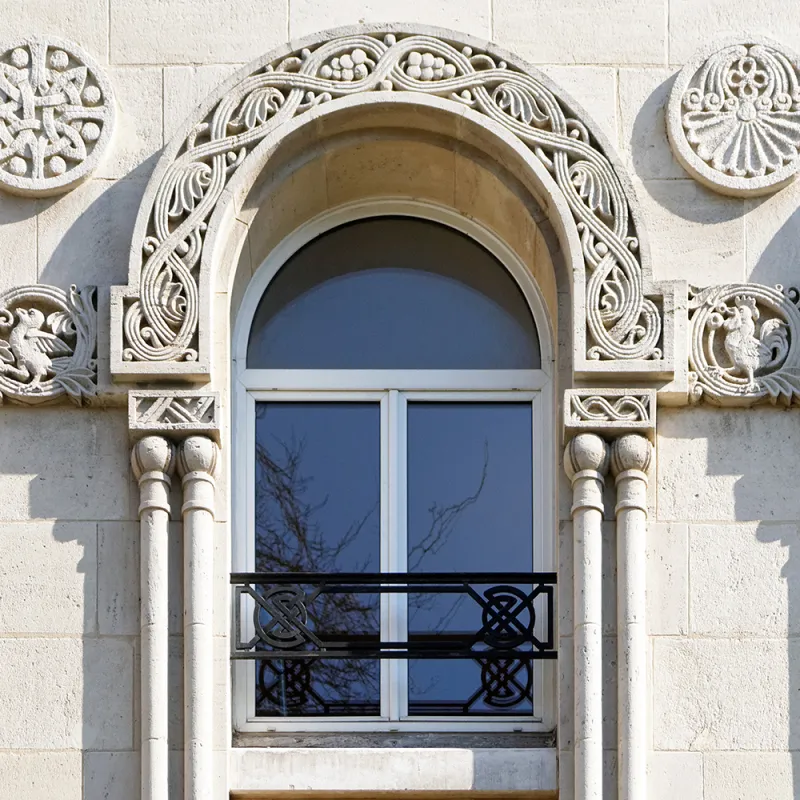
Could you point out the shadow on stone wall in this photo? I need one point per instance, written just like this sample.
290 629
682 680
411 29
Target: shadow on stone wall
761 566
69 499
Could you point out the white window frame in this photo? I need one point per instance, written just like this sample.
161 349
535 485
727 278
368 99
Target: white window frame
392 389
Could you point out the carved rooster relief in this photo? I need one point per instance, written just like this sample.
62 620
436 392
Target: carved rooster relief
748 352
26 355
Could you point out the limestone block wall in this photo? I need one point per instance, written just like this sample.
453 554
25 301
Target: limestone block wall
723 577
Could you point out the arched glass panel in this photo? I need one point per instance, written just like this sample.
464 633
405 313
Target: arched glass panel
393 293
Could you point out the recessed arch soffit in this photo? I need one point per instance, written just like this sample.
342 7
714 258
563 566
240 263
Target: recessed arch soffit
622 323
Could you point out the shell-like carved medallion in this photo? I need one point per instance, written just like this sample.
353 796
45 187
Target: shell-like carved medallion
734 117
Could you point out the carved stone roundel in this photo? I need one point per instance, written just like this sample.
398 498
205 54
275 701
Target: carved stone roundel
744 344
48 344
734 117
56 116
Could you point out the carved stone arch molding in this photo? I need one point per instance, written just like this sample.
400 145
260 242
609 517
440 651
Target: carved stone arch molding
623 323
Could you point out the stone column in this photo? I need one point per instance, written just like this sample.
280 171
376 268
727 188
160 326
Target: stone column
586 463
630 460
153 460
197 459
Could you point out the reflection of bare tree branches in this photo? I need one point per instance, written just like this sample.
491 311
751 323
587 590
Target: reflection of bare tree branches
289 539
443 520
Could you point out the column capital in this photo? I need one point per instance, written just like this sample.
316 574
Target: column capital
153 462
631 456
153 454
630 452
197 454
586 455
197 464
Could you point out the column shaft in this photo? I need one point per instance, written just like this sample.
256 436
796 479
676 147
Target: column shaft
152 460
196 463
630 458
586 462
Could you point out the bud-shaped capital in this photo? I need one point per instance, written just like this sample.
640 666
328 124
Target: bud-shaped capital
630 452
586 452
153 454
197 454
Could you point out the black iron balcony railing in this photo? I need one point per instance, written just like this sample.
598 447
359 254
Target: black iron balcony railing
297 616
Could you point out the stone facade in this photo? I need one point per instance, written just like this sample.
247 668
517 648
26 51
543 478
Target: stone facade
677 617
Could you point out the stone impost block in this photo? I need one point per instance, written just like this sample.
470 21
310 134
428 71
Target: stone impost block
610 412
173 413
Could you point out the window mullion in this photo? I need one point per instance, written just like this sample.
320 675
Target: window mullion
396 668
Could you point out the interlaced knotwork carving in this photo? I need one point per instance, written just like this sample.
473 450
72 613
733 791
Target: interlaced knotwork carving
161 325
56 116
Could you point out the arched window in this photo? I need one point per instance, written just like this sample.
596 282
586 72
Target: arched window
393 432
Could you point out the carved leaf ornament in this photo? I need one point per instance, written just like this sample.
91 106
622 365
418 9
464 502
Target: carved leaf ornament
162 323
744 344
48 341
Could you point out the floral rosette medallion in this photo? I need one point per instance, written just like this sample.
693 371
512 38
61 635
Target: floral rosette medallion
733 117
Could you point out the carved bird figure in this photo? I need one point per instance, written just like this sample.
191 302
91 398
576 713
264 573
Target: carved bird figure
747 351
26 355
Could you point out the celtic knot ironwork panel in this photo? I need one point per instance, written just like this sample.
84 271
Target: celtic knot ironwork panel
277 609
306 667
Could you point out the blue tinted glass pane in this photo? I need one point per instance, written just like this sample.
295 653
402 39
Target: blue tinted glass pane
470 509
317 509
393 293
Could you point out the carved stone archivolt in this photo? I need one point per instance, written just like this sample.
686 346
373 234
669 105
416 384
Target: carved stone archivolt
734 117
160 314
48 341
744 344
56 116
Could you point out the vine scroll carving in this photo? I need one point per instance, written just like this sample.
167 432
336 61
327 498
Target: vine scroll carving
160 318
